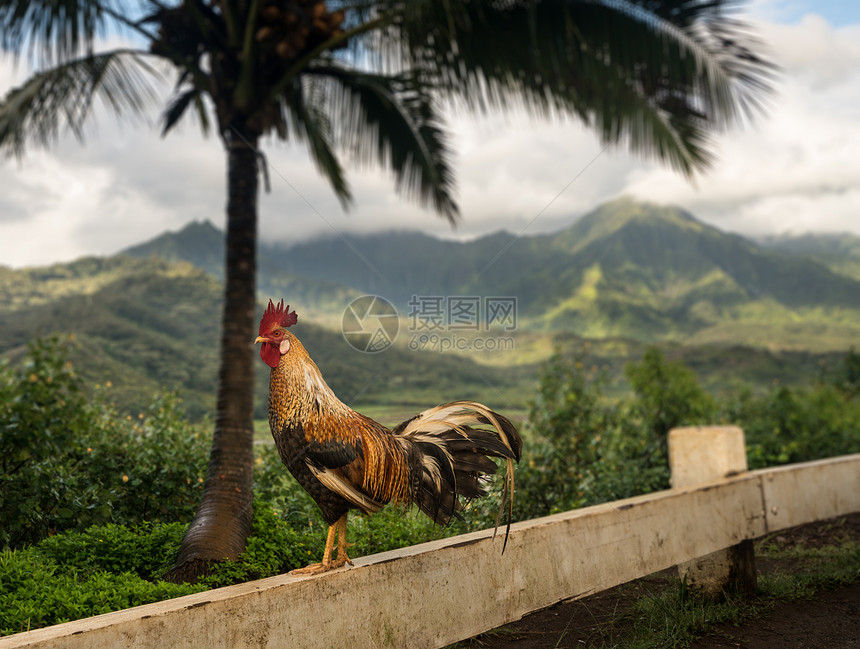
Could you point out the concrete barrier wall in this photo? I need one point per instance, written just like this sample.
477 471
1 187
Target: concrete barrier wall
436 593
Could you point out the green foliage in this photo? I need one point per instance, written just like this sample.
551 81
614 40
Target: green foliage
393 528
74 575
794 425
565 419
67 462
146 549
668 395
42 415
847 375
584 448
160 460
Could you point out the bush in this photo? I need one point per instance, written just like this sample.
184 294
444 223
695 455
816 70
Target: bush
667 395
42 415
147 549
151 469
586 449
566 418
74 575
789 425
847 376
68 462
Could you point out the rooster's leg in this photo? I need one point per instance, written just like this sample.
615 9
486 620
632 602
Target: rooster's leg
327 564
342 545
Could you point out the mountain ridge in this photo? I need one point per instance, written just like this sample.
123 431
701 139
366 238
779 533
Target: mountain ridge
627 268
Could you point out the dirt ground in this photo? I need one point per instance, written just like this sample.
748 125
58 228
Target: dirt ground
831 620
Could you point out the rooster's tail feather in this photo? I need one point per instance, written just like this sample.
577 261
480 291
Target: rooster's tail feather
450 456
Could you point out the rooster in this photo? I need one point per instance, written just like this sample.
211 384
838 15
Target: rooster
345 460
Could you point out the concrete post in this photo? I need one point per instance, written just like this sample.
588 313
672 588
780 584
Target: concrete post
703 454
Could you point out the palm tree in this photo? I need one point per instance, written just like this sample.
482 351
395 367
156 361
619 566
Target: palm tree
366 79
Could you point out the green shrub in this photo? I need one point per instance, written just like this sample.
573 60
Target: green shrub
393 528
147 549
566 417
42 415
846 378
586 449
75 575
667 394
68 462
152 468
110 567
789 425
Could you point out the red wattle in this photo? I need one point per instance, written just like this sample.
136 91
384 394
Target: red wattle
270 354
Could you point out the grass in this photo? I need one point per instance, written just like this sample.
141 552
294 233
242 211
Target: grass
673 617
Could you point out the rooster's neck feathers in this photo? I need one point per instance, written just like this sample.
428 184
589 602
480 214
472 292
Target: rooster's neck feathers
299 393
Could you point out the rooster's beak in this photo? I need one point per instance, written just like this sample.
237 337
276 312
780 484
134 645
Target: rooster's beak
260 339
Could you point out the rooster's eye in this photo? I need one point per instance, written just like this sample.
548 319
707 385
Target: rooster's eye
276 334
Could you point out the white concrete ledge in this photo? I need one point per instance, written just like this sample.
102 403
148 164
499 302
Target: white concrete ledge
437 593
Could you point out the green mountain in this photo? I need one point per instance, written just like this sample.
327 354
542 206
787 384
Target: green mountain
202 244
145 325
620 278
839 252
199 243
654 272
627 269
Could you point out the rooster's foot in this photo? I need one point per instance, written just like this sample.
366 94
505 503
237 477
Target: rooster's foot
319 568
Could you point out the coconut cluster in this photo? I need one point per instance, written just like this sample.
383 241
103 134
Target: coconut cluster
291 28
285 29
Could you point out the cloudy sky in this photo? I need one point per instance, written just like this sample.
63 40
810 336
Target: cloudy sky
796 170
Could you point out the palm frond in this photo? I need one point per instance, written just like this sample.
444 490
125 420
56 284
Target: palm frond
177 107
62 98
309 122
53 30
682 65
391 121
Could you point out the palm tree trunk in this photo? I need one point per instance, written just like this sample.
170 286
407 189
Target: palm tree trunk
222 523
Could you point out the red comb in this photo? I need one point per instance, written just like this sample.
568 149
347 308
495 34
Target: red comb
277 315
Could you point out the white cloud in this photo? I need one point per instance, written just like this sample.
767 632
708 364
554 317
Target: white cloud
796 170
